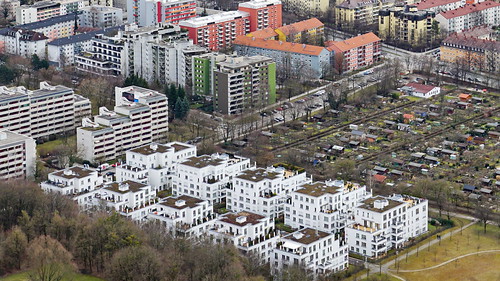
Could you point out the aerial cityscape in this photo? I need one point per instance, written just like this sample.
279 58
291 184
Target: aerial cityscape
252 140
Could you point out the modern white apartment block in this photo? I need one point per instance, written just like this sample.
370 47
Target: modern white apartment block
319 252
37 12
76 182
382 223
17 156
22 42
100 17
154 163
469 16
264 191
250 233
208 176
325 206
105 57
40 113
71 6
185 215
151 12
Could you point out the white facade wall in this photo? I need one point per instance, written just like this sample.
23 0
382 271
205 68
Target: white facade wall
100 17
488 16
72 181
17 156
23 43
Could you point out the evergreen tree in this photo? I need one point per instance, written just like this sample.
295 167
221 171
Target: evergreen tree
7 75
172 96
134 80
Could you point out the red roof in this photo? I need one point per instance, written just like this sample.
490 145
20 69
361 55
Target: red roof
421 88
379 178
278 45
300 26
433 3
265 33
354 42
469 8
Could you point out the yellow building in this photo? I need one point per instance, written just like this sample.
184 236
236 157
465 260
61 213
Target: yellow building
308 7
360 13
405 24
309 31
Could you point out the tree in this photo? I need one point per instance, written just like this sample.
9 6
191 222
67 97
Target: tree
7 75
38 63
181 108
14 249
134 80
135 263
344 168
483 213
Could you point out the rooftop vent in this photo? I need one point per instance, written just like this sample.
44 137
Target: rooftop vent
380 203
3 135
298 235
241 219
123 186
68 172
180 203
154 146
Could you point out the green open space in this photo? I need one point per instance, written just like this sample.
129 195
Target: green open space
23 276
50 146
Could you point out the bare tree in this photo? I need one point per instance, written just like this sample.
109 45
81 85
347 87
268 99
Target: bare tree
483 213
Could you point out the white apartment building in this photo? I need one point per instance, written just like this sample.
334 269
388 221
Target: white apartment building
382 223
105 56
469 16
325 206
76 182
100 17
40 113
22 42
17 156
70 6
108 3
438 6
264 191
140 117
185 215
251 233
54 27
208 176
151 12
37 12
318 251
154 164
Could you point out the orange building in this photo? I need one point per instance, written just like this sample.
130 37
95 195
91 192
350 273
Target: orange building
263 13
356 52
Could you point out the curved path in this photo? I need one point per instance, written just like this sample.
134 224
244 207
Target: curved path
447 262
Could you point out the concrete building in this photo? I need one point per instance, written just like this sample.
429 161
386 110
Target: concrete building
309 31
152 12
382 223
421 90
307 7
107 3
264 191
208 176
22 42
40 113
325 206
185 216
306 59
406 24
469 16
235 84
353 14
54 27
17 155
154 164
11 7
317 251
37 12
438 6
250 233
100 17
263 13
70 6
105 57
140 117
356 52
62 51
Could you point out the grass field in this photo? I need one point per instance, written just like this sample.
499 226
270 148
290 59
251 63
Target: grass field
23 276
48 147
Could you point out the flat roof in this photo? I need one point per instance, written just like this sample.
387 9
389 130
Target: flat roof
309 236
251 218
11 137
257 175
115 187
317 189
189 202
213 19
257 4
151 149
202 161
73 172
368 204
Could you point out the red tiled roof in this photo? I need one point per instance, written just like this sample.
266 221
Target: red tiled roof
379 178
278 45
465 40
433 3
265 33
354 42
465 96
421 88
469 8
301 26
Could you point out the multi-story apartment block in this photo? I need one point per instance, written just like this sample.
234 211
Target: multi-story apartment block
307 7
356 52
100 17
235 84
353 14
184 215
106 56
17 155
407 25
382 223
62 51
70 6
219 30
325 206
438 6
39 113
22 42
208 176
37 12
54 27
154 164
140 117
75 182
307 59
152 12
250 233
309 31
317 251
107 3
264 191
469 16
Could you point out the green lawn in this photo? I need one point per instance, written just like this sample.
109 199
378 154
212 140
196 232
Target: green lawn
23 276
48 147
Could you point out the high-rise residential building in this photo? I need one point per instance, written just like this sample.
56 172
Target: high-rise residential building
307 59
469 16
17 155
22 42
100 17
105 57
354 14
140 117
37 12
307 7
235 84
152 12
356 52
217 31
47 111
382 223
70 6
408 25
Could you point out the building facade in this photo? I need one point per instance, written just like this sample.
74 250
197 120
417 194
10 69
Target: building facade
37 12
152 12
105 57
309 31
54 27
22 42
17 155
469 16
307 7
263 13
438 6
100 17
356 52
354 14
